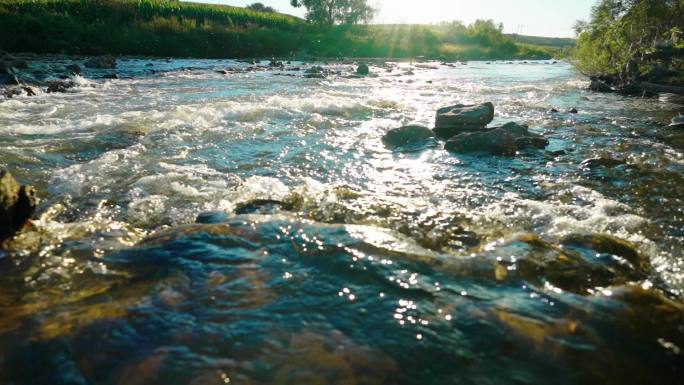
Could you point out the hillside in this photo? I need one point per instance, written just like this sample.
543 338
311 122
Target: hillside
171 28
555 42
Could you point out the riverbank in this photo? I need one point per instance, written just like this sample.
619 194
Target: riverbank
172 29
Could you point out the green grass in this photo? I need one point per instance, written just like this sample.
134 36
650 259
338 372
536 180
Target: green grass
171 28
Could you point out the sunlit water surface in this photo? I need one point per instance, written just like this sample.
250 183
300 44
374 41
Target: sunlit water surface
407 267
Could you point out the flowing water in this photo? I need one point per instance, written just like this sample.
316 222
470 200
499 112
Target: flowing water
327 258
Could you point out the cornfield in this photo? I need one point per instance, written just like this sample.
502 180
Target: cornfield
135 11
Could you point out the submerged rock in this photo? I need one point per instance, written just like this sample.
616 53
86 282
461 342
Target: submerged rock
262 206
101 62
74 69
21 64
601 162
8 80
17 205
677 122
531 142
6 68
460 118
362 69
606 244
405 135
212 217
576 266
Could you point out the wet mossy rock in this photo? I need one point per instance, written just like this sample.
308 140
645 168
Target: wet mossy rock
60 86
607 244
406 135
462 118
17 205
504 140
568 270
496 142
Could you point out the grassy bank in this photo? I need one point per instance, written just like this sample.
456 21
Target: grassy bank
170 28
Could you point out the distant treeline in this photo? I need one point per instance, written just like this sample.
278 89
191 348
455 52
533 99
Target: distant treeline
171 28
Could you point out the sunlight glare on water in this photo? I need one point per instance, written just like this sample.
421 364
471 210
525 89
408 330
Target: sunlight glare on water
336 258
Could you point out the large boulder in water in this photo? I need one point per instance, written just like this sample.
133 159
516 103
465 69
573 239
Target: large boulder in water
460 118
315 72
362 69
101 62
504 140
17 205
497 142
405 135
60 86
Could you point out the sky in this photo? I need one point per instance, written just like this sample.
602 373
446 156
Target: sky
553 18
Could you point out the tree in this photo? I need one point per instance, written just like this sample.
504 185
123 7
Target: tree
621 31
259 7
336 11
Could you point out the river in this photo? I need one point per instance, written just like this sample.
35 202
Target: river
327 258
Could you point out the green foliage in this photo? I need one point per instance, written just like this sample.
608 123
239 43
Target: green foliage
170 28
336 11
623 30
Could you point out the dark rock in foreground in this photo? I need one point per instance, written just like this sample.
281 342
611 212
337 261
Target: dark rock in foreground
17 205
460 118
405 135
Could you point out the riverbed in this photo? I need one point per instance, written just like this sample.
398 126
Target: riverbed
328 258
